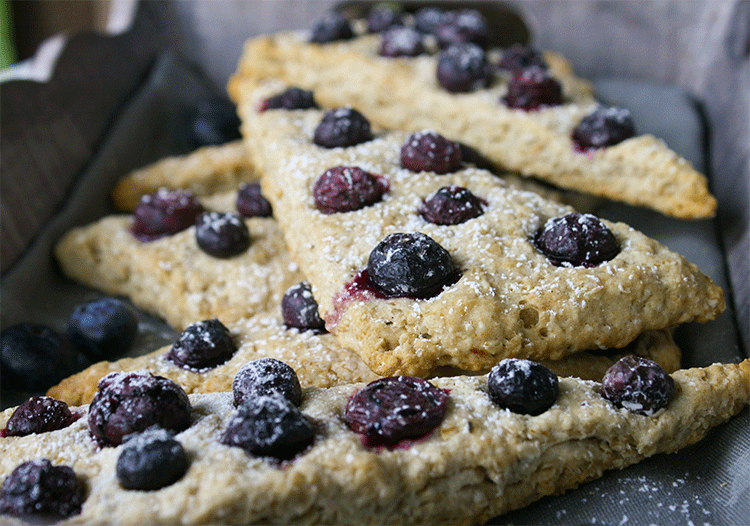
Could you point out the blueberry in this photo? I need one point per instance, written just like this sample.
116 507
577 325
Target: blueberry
401 42
427 19
462 26
292 98
411 265
127 403
383 17
532 88
222 234
266 376
347 188
463 68
342 127
103 329
605 126
452 205
428 151
391 409
523 386
37 488
35 357
203 345
576 240
251 203
300 310
638 384
333 26
165 213
150 460
214 121
38 414
269 426
518 57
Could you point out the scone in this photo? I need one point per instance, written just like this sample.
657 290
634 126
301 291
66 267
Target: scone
405 93
172 277
411 291
400 450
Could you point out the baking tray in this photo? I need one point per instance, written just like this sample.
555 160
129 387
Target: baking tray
707 483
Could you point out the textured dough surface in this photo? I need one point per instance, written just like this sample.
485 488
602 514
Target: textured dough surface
403 94
207 170
480 462
509 301
173 278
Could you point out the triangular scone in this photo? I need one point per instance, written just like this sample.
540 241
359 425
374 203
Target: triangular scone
403 94
173 278
509 301
166 277
479 462
207 170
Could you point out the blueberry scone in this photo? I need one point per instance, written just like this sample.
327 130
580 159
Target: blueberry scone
397 450
418 260
522 110
186 259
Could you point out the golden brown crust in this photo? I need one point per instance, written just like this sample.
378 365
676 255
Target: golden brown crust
403 94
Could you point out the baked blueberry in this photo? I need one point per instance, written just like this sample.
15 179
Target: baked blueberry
532 88
426 19
203 345
127 403
38 489
576 240
292 98
347 188
605 126
342 127
523 386
222 234
462 68
331 27
401 41
463 25
638 384
269 426
410 265
391 409
300 310
251 202
383 17
214 121
165 213
35 357
452 205
38 414
264 377
428 151
150 460
103 329
518 57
